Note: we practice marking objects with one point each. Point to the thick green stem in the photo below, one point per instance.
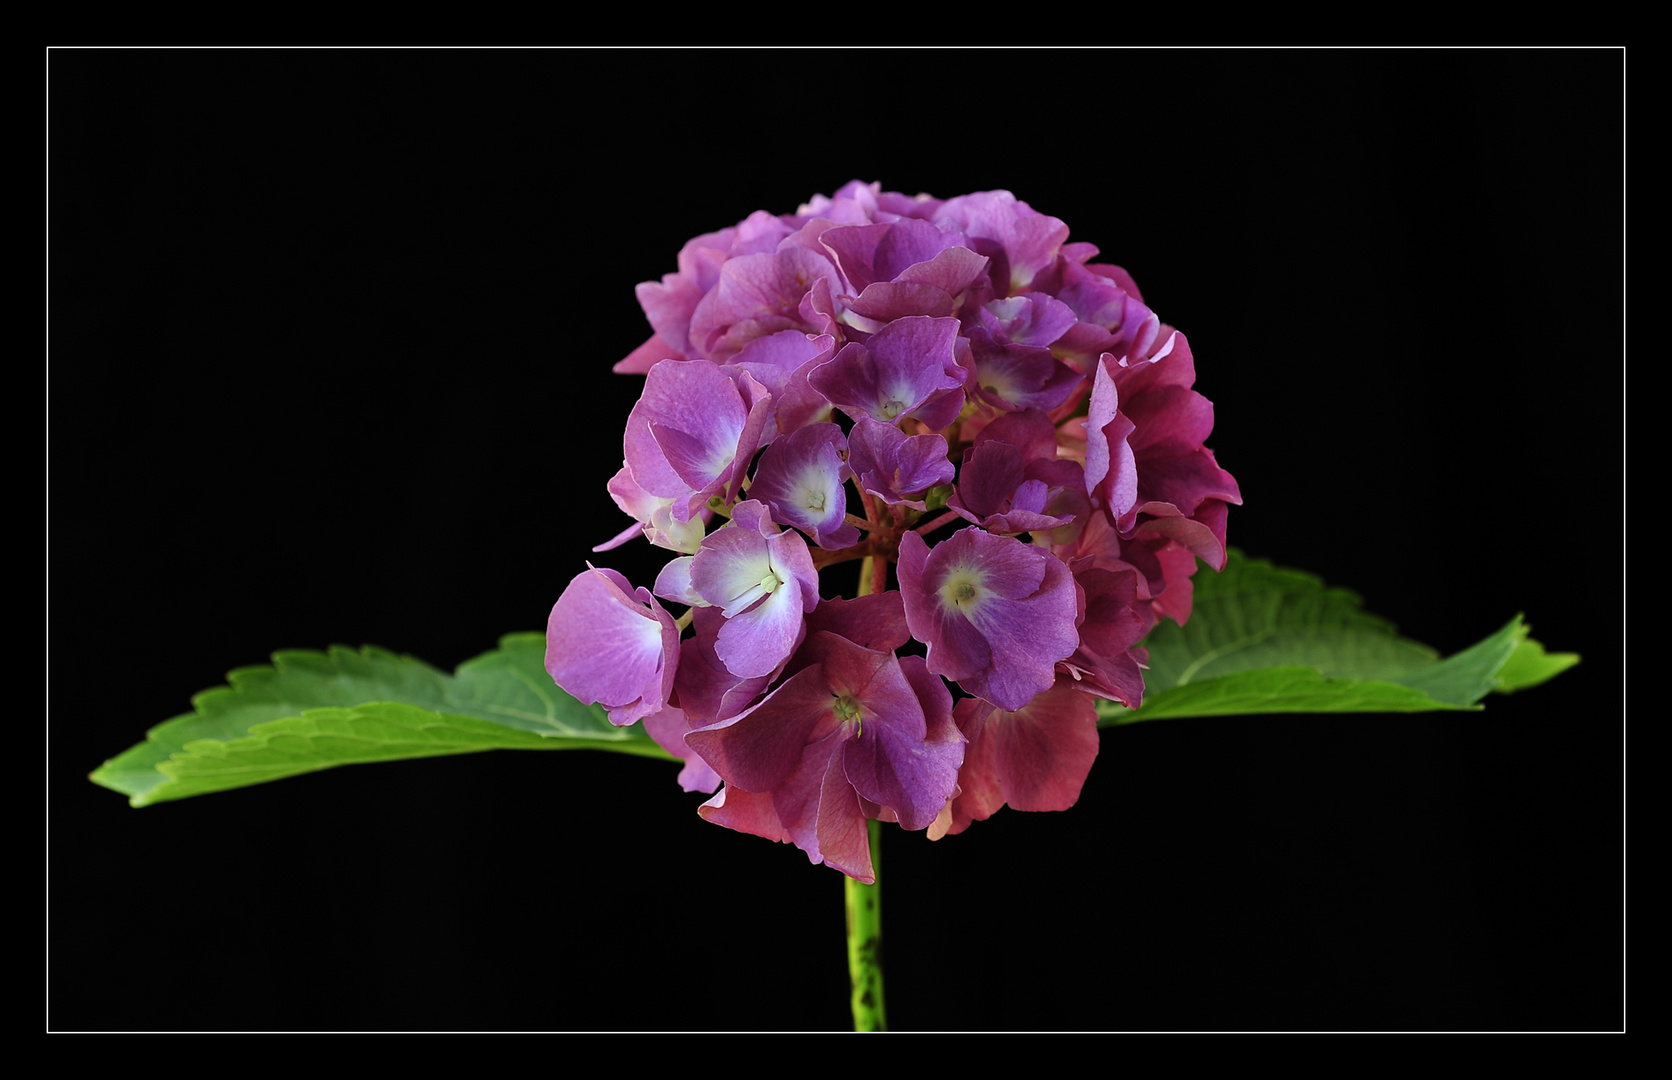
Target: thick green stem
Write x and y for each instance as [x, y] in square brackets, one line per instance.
[864, 904]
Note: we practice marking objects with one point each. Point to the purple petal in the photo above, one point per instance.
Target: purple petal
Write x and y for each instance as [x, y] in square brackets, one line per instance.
[758, 750]
[891, 465]
[605, 646]
[895, 372]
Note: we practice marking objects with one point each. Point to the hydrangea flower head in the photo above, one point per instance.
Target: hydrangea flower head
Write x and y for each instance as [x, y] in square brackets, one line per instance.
[948, 388]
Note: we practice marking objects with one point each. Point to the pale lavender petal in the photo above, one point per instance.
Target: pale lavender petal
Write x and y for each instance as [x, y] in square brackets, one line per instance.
[733, 569]
[792, 562]
[756, 641]
[604, 645]
[800, 476]
[655, 515]
[674, 583]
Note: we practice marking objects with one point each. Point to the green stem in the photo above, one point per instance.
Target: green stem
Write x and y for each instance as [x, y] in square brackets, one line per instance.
[864, 904]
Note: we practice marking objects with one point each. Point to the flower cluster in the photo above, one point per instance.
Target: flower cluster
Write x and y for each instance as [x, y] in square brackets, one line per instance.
[848, 384]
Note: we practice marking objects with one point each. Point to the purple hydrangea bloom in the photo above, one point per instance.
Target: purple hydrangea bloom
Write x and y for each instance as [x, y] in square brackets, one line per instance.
[996, 614]
[987, 365]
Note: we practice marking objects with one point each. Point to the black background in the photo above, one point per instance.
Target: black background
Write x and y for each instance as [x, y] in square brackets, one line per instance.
[330, 338]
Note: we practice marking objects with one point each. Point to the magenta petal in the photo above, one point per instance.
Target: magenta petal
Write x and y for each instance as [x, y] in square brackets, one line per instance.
[1111, 471]
[1030, 431]
[1105, 664]
[798, 799]
[886, 301]
[980, 795]
[759, 749]
[1202, 535]
[1014, 377]
[952, 270]
[1168, 420]
[908, 245]
[894, 762]
[647, 356]
[842, 832]
[1043, 752]
[746, 812]
[992, 472]
[877, 621]
[706, 690]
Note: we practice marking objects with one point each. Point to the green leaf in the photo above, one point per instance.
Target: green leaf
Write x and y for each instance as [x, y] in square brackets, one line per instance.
[313, 710]
[1530, 665]
[1263, 639]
